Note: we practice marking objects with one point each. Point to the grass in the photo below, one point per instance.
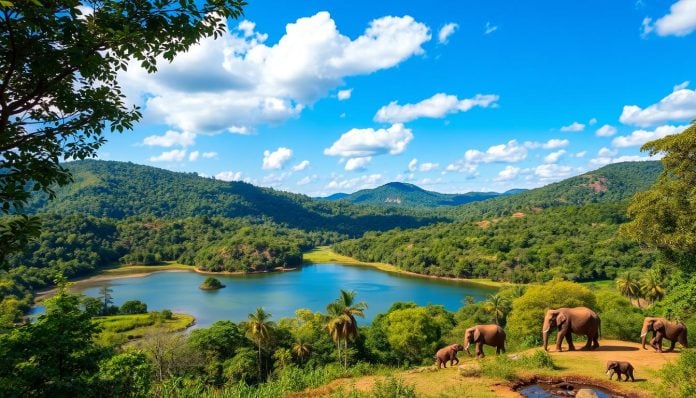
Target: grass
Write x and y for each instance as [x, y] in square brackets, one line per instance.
[120, 329]
[140, 269]
[324, 254]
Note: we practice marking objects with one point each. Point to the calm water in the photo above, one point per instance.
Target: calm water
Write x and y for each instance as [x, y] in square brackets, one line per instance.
[281, 294]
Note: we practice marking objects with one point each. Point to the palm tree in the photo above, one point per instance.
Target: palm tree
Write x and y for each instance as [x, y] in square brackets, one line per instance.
[629, 286]
[301, 349]
[651, 286]
[260, 329]
[497, 305]
[341, 320]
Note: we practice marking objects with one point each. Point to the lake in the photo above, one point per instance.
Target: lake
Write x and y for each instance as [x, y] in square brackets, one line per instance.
[281, 293]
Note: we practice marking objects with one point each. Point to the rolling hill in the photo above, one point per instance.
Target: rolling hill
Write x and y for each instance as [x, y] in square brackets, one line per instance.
[399, 194]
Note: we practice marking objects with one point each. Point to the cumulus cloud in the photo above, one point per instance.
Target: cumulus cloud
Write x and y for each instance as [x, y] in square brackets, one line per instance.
[176, 155]
[428, 166]
[592, 121]
[580, 154]
[193, 156]
[603, 161]
[171, 138]
[574, 127]
[307, 180]
[413, 165]
[606, 131]
[229, 176]
[357, 164]
[489, 28]
[511, 152]
[345, 94]
[550, 144]
[301, 166]
[362, 182]
[680, 21]
[437, 106]
[371, 142]
[554, 156]
[509, 173]
[680, 105]
[640, 137]
[239, 81]
[446, 31]
[209, 155]
[552, 172]
[276, 160]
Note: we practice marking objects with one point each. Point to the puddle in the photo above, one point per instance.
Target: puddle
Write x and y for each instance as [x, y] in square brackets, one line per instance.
[553, 390]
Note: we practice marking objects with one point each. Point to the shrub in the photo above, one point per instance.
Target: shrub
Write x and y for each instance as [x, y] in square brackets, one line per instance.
[620, 319]
[499, 367]
[679, 378]
[392, 388]
[133, 307]
[211, 283]
[540, 359]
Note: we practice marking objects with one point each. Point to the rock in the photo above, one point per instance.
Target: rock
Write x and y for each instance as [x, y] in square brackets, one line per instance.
[471, 369]
[586, 393]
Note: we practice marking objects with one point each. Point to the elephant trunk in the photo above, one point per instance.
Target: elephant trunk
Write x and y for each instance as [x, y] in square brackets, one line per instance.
[643, 335]
[545, 335]
[467, 349]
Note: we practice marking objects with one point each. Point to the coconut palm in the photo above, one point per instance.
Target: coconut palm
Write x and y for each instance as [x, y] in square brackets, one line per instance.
[342, 324]
[301, 349]
[651, 286]
[497, 305]
[260, 329]
[629, 286]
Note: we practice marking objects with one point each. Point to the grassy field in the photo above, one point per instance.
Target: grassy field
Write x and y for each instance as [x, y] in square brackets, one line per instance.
[493, 376]
[324, 254]
[120, 329]
[141, 269]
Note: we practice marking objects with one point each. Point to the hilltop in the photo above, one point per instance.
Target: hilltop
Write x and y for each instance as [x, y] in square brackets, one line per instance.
[399, 194]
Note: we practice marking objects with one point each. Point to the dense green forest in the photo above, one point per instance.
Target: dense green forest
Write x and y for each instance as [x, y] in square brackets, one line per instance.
[572, 242]
[399, 194]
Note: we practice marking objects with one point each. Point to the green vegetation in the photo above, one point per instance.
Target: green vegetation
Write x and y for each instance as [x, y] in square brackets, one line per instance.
[211, 283]
[119, 329]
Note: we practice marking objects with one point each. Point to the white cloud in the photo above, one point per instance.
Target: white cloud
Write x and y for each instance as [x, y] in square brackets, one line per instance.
[229, 176]
[446, 31]
[554, 156]
[437, 106]
[209, 155]
[575, 127]
[509, 173]
[238, 81]
[413, 165]
[357, 164]
[606, 131]
[581, 154]
[606, 152]
[646, 27]
[242, 130]
[362, 182]
[176, 155]
[511, 152]
[603, 161]
[552, 172]
[680, 105]
[680, 21]
[345, 94]
[640, 137]
[681, 86]
[550, 144]
[592, 121]
[276, 160]
[425, 167]
[171, 138]
[371, 142]
[489, 28]
[307, 180]
[301, 166]
[193, 156]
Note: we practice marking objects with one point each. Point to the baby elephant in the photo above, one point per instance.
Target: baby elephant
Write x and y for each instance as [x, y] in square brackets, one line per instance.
[620, 367]
[448, 353]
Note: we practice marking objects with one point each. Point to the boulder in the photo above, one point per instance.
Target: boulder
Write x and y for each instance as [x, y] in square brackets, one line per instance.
[586, 393]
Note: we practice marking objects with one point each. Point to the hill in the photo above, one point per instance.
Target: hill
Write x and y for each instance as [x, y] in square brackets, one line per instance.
[120, 190]
[399, 194]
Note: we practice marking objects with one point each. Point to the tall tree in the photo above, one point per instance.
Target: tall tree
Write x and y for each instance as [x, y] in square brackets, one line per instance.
[664, 217]
[106, 298]
[629, 286]
[498, 306]
[260, 328]
[59, 90]
[342, 323]
[651, 286]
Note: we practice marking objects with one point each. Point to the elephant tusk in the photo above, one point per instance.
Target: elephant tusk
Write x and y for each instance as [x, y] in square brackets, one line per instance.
[643, 335]
[546, 330]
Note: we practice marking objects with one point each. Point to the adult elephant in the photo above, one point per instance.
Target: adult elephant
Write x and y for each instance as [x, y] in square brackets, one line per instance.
[662, 328]
[578, 320]
[492, 335]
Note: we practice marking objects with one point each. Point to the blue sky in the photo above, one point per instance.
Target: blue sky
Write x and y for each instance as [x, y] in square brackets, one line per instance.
[332, 96]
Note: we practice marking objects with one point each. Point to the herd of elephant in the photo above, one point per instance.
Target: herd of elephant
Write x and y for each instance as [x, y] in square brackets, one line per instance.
[578, 320]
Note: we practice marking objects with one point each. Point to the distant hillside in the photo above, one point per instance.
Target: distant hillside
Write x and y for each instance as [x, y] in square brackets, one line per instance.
[398, 194]
[613, 183]
[120, 190]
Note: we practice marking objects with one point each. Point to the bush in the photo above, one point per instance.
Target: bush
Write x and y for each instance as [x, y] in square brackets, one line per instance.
[392, 388]
[620, 319]
[527, 315]
[679, 378]
[133, 307]
[499, 367]
[211, 283]
[540, 359]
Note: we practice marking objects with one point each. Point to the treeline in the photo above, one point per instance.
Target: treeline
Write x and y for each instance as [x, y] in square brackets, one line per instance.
[572, 242]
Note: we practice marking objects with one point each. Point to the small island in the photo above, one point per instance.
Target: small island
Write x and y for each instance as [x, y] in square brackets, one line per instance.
[211, 283]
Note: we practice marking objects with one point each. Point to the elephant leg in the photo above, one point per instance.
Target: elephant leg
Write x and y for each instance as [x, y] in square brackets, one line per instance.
[671, 346]
[559, 340]
[658, 342]
[497, 350]
[630, 372]
[569, 339]
[595, 341]
[455, 361]
[479, 350]
[588, 345]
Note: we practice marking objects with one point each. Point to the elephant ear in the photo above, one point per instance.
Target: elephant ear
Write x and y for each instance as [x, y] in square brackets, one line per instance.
[560, 319]
[658, 324]
[477, 334]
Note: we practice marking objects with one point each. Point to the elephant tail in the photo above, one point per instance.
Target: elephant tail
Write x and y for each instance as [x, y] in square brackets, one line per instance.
[599, 324]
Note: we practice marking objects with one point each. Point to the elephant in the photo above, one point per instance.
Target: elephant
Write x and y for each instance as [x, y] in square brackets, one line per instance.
[662, 328]
[492, 335]
[448, 353]
[578, 320]
[620, 368]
